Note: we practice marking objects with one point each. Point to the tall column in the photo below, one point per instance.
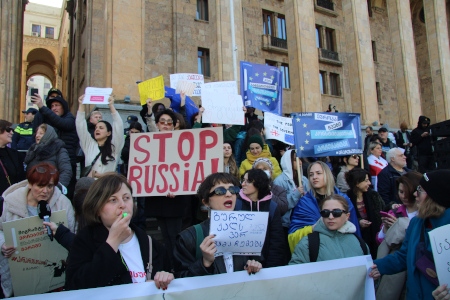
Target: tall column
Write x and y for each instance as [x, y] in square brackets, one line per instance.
[303, 56]
[360, 60]
[438, 49]
[404, 58]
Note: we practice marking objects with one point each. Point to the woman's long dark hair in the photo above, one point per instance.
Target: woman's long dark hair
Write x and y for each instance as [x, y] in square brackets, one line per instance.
[108, 148]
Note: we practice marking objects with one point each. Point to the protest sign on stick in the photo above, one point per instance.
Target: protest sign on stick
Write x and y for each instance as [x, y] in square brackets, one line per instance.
[93, 95]
[196, 79]
[175, 161]
[239, 232]
[152, 88]
[38, 265]
[440, 245]
[326, 134]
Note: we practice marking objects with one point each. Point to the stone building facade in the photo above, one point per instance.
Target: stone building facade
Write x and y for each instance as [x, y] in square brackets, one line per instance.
[386, 59]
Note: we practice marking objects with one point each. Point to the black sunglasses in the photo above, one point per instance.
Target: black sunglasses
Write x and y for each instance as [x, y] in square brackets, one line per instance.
[354, 156]
[8, 129]
[220, 191]
[335, 212]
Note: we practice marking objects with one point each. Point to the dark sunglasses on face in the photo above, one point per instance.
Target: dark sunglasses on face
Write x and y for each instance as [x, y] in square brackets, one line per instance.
[220, 191]
[163, 122]
[335, 212]
[355, 156]
[8, 129]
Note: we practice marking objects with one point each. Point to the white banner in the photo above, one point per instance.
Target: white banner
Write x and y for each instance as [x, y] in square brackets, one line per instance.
[93, 95]
[440, 245]
[239, 232]
[335, 279]
[196, 79]
[278, 128]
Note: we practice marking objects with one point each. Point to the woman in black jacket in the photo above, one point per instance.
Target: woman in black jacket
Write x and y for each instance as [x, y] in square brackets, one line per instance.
[110, 250]
[196, 258]
[368, 204]
[11, 166]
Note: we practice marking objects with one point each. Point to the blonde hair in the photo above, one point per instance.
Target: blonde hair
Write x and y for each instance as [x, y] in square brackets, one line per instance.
[327, 177]
[430, 209]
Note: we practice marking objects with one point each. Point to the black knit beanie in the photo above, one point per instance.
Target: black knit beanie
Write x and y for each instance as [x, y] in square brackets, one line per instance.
[435, 183]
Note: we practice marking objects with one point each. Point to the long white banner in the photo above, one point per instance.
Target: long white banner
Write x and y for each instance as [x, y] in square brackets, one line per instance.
[334, 279]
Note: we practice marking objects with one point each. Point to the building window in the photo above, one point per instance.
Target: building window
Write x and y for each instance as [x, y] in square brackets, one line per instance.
[285, 76]
[274, 24]
[378, 92]
[330, 39]
[374, 51]
[281, 27]
[36, 30]
[271, 63]
[335, 88]
[202, 10]
[268, 22]
[322, 75]
[49, 32]
[46, 85]
[318, 39]
[326, 4]
[203, 62]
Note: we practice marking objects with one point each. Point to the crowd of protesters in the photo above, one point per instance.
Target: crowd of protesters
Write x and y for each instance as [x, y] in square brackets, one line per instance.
[380, 203]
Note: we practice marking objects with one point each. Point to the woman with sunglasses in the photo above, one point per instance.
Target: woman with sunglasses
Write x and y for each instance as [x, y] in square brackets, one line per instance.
[336, 234]
[376, 161]
[350, 162]
[195, 257]
[368, 205]
[49, 148]
[256, 195]
[307, 212]
[110, 250]
[21, 201]
[11, 164]
[103, 151]
[415, 255]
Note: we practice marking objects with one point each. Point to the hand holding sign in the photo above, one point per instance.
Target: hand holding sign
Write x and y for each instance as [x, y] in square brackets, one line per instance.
[208, 247]
[93, 95]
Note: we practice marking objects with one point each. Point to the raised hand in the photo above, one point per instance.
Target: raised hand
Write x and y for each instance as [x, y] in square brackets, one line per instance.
[208, 247]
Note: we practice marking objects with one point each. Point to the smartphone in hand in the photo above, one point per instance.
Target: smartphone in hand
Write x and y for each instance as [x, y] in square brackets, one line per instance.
[385, 214]
[34, 91]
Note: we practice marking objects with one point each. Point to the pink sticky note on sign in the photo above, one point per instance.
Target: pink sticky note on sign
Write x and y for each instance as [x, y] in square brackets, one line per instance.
[97, 98]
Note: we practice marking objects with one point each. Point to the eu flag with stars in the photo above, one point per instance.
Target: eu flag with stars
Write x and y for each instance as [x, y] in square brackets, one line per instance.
[326, 134]
[261, 87]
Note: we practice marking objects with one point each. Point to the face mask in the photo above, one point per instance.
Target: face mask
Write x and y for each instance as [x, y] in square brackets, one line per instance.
[267, 173]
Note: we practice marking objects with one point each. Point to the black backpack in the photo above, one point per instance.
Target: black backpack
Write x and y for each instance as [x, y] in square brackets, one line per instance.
[314, 242]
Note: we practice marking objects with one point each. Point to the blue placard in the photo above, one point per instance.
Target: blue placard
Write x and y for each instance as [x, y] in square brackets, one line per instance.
[326, 134]
[261, 87]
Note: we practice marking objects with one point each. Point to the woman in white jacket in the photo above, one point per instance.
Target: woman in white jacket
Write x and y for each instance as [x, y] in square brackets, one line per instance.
[103, 151]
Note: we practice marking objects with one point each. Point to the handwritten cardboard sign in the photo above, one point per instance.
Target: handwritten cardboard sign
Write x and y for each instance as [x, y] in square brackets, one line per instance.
[440, 245]
[152, 88]
[93, 95]
[278, 128]
[173, 161]
[38, 265]
[239, 232]
[196, 79]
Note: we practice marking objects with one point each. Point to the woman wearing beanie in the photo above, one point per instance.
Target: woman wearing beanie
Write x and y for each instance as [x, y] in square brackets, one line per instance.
[257, 149]
[433, 212]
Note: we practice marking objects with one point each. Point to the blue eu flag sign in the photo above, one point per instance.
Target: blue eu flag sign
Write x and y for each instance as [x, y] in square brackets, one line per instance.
[261, 87]
[326, 134]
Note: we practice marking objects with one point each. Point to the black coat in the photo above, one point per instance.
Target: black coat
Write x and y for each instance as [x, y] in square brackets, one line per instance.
[387, 187]
[93, 263]
[422, 144]
[14, 167]
[373, 204]
[186, 262]
[165, 207]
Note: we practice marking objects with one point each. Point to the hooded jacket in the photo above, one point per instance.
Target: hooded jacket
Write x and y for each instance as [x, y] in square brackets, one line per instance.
[52, 150]
[15, 208]
[64, 125]
[334, 244]
[286, 181]
[275, 246]
[248, 163]
[423, 144]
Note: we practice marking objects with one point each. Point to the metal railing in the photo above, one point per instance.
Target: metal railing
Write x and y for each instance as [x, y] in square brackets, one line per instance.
[328, 54]
[276, 42]
[326, 4]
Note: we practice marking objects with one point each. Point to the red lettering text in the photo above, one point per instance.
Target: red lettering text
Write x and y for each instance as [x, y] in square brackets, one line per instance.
[162, 145]
[138, 148]
[203, 143]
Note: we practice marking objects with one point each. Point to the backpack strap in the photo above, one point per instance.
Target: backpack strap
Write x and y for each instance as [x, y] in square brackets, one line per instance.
[199, 237]
[150, 259]
[362, 243]
[313, 244]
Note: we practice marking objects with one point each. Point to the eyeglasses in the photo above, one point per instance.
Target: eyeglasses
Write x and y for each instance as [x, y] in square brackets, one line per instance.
[335, 212]
[420, 190]
[163, 122]
[355, 156]
[220, 191]
[246, 181]
[8, 129]
[43, 170]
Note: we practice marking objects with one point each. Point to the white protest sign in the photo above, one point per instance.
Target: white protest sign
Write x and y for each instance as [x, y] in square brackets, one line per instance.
[93, 95]
[278, 128]
[223, 109]
[185, 86]
[38, 265]
[239, 232]
[196, 79]
[317, 281]
[440, 245]
[173, 161]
